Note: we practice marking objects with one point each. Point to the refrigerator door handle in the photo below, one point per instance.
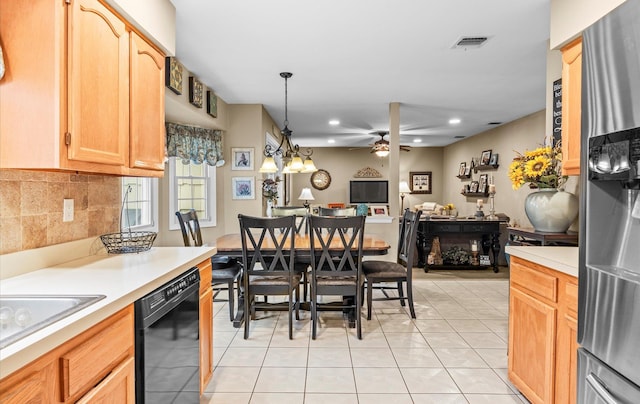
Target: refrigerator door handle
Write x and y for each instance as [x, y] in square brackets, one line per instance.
[600, 389]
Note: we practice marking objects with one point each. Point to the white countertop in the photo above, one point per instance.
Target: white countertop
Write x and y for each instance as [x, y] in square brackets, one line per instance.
[122, 278]
[561, 259]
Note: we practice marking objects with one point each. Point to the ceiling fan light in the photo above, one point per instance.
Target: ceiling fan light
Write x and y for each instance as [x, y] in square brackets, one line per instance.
[268, 165]
[382, 153]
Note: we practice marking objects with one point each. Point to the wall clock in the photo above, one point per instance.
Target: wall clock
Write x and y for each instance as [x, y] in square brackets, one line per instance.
[321, 179]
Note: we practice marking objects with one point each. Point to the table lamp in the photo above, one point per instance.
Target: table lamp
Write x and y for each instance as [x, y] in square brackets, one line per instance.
[404, 189]
[307, 196]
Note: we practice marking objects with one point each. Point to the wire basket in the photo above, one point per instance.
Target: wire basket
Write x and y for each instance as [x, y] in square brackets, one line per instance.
[128, 242]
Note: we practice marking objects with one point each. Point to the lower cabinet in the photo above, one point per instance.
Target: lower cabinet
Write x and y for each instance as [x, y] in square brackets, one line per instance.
[95, 366]
[542, 332]
[206, 324]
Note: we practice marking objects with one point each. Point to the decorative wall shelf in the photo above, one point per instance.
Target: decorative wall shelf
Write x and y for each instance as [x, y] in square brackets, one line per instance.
[486, 167]
[471, 194]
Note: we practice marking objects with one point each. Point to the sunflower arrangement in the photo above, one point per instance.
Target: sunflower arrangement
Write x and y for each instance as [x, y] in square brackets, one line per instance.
[541, 168]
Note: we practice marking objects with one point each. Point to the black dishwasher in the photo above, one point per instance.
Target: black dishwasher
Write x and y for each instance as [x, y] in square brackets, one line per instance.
[167, 342]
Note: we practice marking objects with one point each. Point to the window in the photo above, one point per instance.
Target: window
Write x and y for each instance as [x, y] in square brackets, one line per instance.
[192, 186]
[140, 203]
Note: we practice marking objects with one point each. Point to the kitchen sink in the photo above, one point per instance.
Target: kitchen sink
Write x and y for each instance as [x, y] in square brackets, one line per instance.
[22, 315]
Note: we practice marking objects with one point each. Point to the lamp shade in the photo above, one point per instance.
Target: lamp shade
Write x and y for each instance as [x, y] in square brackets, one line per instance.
[404, 187]
[268, 165]
[309, 166]
[306, 195]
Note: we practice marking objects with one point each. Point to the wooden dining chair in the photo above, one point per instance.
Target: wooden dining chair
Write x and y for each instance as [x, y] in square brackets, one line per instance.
[302, 227]
[268, 254]
[336, 245]
[225, 271]
[379, 274]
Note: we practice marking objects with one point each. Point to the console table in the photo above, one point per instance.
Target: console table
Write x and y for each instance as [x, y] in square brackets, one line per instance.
[488, 231]
[524, 236]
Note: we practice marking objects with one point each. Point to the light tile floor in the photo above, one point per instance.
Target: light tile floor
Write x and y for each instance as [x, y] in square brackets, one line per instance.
[454, 352]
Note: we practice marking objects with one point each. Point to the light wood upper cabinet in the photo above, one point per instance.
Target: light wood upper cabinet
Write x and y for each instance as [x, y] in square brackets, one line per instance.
[73, 82]
[571, 106]
[98, 67]
[543, 343]
[147, 105]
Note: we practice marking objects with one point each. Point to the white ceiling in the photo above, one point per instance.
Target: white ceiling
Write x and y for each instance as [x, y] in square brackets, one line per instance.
[351, 58]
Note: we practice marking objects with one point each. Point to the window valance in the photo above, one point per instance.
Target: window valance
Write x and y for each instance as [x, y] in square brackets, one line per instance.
[198, 145]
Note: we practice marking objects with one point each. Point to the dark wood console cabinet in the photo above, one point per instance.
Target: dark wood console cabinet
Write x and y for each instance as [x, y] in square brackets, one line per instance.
[488, 231]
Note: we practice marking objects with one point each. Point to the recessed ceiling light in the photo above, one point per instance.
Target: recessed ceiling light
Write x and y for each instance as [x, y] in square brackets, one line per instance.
[334, 122]
[417, 140]
[454, 121]
[331, 141]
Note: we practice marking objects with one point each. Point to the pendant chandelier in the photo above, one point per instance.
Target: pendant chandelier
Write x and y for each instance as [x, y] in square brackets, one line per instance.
[291, 153]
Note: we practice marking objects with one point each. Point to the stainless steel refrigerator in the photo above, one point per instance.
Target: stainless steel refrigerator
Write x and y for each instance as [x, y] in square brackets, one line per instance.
[609, 277]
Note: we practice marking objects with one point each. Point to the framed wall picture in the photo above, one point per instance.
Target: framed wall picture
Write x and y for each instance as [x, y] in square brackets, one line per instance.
[420, 182]
[474, 186]
[243, 188]
[173, 75]
[462, 169]
[242, 158]
[482, 185]
[212, 104]
[379, 210]
[493, 161]
[467, 171]
[195, 92]
[485, 158]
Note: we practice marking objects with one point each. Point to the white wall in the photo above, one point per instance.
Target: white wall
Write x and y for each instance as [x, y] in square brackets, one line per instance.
[570, 17]
[156, 19]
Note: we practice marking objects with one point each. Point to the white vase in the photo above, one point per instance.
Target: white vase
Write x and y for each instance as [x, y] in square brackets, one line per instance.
[551, 211]
[269, 208]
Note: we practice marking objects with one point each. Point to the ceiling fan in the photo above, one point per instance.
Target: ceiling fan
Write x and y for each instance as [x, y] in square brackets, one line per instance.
[381, 147]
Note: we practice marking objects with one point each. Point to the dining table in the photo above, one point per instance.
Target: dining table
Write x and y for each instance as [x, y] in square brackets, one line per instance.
[231, 245]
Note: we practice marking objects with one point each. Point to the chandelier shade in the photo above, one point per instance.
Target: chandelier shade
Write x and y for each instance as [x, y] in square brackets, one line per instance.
[290, 152]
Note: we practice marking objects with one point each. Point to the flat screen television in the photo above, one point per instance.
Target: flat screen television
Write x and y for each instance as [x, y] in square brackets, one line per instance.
[368, 192]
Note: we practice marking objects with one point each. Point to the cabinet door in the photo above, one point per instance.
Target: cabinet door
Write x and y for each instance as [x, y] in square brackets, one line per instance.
[567, 360]
[98, 75]
[29, 385]
[118, 387]
[147, 131]
[532, 331]
[206, 337]
[571, 107]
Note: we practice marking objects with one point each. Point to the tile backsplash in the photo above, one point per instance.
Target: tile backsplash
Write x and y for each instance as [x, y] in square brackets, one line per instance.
[31, 206]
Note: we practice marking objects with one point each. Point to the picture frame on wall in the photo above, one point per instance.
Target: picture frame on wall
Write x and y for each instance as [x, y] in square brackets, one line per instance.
[485, 158]
[243, 188]
[242, 158]
[493, 161]
[379, 210]
[173, 74]
[195, 92]
[474, 186]
[212, 104]
[463, 167]
[482, 186]
[420, 182]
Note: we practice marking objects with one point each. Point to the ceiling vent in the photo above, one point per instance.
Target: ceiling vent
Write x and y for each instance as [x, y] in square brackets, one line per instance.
[467, 42]
[459, 137]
